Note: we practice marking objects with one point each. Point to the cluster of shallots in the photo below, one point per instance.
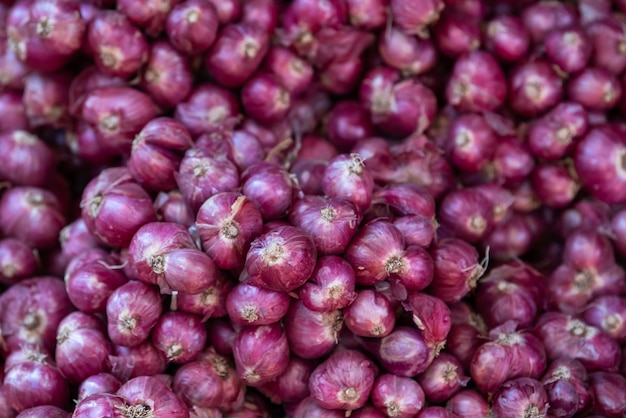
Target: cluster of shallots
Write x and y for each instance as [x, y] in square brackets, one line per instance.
[312, 208]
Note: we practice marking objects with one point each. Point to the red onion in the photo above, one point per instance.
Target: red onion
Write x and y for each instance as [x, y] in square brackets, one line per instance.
[85, 81]
[618, 230]
[471, 142]
[569, 49]
[341, 77]
[343, 381]
[509, 354]
[147, 394]
[149, 16]
[443, 378]
[31, 312]
[23, 210]
[119, 49]
[282, 259]
[179, 336]
[117, 114]
[606, 388]
[227, 223]
[44, 411]
[566, 336]
[157, 151]
[311, 334]
[407, 199]
[167, 76]
[371, 314]
[33, 381]
[348, 123]
[12, 70]
[310, 408]
[292, 72]
[133, 310]
[237, 53]
[457, 269]
[45, 99]
[201, 175]
[331, 222]
[376, 252]
[507, 38]
[551, 137]
[228, 10]
[477, 83]
[192, 26]
[608, 39]
[209, 108]
[261, 353]
[432, 317]
[409, 54]
[346, 176]
[74, 334]
[187, 270]
[149, 246]
[292, 385]
[564, 382]
[263, 13]
[90, 278]
[466, 213]
[415, 17]
[555, 185]
[542, 18]
[417, 230]
[102, 199]
[469, 404]
[511, 291]
[12, 108]
[210, 303]
[76, 238]
[17, 261]
[522, 397]
[534, 88]
[209, 382]
[102, 404]
[140, 360]
[595, 88]
[269, 187]
[456, 33]
[397, 396]
[403, 352]
[45, 35]
[250, 305]
[331, 285]
[265, 99]
[500, 198]
[98, 383]
[608, 314]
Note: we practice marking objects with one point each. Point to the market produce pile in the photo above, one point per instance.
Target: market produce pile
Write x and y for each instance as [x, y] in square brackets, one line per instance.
[314, 208]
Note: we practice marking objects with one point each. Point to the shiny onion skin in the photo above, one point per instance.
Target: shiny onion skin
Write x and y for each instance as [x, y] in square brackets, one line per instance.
[282, 259]
[343, 381]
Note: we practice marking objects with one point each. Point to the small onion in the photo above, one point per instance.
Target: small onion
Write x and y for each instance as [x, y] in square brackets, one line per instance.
[282, 259]
[179, 336]
[343, 381]
[521, 397]
[261, 353]
[251, 305]
[397, 396]
[140, 360]
[98, 383]
[192, 26]
[371, 314]
[148, 394]
[312, 334]
[132, 310]
[17, 261]
[227, 223]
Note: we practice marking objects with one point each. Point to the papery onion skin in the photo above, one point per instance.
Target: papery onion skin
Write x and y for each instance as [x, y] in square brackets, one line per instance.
[132, 311]
[159, 397]
[261, 353]
[312, 334]
[98, 383]
[343, 381]
[282, 259]
[397, 396]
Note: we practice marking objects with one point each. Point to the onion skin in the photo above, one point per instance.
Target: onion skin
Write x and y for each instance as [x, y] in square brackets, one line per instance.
[343, 381]
[282, 259]
[261, 353]
[149, 389]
